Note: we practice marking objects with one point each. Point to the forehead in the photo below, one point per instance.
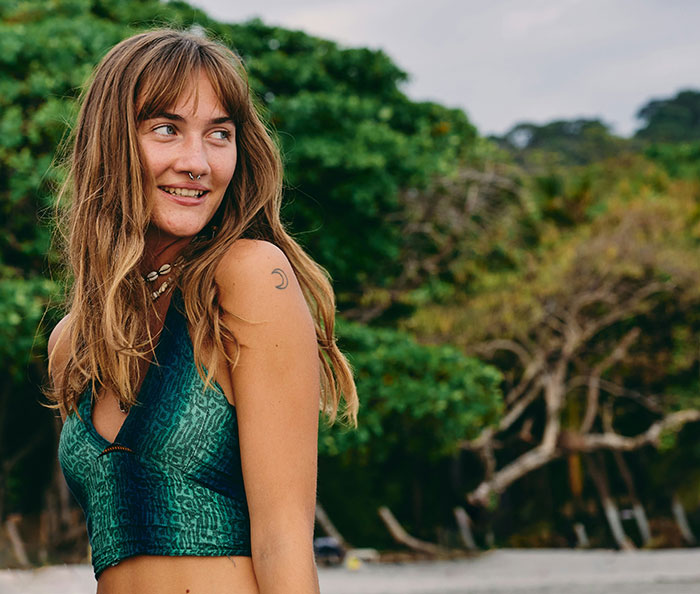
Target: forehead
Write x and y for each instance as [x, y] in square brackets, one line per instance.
[199, 97]
[195, 98]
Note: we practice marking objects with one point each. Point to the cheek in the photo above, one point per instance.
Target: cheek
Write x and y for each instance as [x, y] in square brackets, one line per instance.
[154, 159]
[225, 168]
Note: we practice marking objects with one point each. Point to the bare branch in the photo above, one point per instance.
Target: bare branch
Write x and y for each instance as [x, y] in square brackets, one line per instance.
[613, 441]
[623, 309]
[489, 179]
[647, 401]
[536, 457]
[519, 407]
[503, 344]
[531, 371]
[617, 354]
[506, 421]
[532, 364]
[527, 462]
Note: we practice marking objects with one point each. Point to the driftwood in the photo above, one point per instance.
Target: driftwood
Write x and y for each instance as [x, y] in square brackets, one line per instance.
[329, 528]
[582, 541]
[464, 523]
[682, 520]
[612, 514]
[20, 553]
[402, 537]
[637, 508]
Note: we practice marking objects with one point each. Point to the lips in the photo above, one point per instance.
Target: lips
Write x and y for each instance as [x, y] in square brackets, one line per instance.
[184, 196]
[186, 192]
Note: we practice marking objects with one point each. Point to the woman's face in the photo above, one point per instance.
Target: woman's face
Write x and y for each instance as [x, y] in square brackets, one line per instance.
[198, 139]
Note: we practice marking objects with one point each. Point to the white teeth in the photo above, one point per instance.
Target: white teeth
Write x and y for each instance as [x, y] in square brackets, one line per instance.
[182, 192]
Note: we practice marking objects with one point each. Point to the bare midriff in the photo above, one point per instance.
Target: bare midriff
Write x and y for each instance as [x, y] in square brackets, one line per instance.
[146, 574]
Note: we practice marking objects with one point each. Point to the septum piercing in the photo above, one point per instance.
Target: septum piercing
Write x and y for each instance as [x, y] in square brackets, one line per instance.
[192, 177]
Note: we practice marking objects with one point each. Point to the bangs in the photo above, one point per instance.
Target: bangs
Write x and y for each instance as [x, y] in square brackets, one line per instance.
[166, 79]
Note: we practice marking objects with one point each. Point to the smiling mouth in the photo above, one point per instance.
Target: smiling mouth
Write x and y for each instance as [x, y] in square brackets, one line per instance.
[183, 192]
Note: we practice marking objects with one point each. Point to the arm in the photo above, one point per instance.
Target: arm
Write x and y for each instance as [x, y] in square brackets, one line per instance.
[276, 389]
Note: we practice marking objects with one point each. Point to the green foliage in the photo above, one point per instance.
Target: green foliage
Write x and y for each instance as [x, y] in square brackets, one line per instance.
[420, 400]
[587, 227]
[671, 120]
[350, 137]
[667, 440]
[26, 451]
[22, 306]
[678, 465]
[681, 160]
[583, 242]
[562, 142]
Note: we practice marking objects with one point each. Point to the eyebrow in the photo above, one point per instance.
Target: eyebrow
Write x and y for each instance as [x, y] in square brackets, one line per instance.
[178, 118]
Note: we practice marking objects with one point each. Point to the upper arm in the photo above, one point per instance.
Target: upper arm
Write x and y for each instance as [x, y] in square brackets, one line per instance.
[58, 353]
[276, 388]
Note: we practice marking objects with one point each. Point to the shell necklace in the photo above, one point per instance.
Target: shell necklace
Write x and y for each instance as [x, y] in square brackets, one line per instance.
[151, 277]
[164, 270]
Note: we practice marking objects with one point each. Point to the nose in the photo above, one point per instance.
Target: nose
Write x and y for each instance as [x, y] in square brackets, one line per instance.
[193, 158]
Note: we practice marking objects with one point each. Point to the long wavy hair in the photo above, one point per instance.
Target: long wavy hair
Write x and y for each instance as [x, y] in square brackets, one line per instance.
[108, 214]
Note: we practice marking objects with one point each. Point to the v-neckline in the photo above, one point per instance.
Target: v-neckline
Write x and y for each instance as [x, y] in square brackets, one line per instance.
[154, 362]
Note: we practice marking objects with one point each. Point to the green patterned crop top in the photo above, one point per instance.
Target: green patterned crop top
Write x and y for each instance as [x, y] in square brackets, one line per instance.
[171, 483]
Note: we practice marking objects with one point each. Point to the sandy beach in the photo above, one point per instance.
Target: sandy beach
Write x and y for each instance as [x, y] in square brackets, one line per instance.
[496, 572]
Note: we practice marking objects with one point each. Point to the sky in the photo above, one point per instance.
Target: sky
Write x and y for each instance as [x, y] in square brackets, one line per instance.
[510, 61]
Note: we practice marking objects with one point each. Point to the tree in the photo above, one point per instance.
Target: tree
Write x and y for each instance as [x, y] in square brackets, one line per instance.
[676, 119]
[418, 403]
[591, 331]
[562, 142]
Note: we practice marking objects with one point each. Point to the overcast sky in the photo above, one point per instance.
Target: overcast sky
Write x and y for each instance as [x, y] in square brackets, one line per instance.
[507, 61]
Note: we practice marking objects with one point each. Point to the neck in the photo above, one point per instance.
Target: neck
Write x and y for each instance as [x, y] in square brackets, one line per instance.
[161, 249]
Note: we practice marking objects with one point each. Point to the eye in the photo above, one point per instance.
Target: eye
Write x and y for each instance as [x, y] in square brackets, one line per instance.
[223, 134]
[165, 130]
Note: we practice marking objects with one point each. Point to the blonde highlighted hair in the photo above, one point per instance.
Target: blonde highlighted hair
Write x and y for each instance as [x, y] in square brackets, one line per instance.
[108, 215]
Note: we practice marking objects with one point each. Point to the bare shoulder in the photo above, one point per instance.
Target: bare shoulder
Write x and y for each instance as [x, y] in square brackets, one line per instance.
[57, 340]
[247, 259]
[256, 279]
[58, 352]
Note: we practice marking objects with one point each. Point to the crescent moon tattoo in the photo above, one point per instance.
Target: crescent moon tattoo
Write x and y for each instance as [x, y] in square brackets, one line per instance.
[283, 278]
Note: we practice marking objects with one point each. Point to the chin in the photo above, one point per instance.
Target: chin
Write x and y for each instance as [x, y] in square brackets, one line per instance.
[175, 233]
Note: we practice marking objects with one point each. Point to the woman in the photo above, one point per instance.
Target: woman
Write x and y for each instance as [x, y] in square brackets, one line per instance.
[199, 342]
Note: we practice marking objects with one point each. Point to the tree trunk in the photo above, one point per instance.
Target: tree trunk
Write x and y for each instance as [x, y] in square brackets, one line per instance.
[638, 509]
[20, 553]
[575, 474]
[582, 541]
[682, 520]
[611, 512]
[417, 499]
[464, 524]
